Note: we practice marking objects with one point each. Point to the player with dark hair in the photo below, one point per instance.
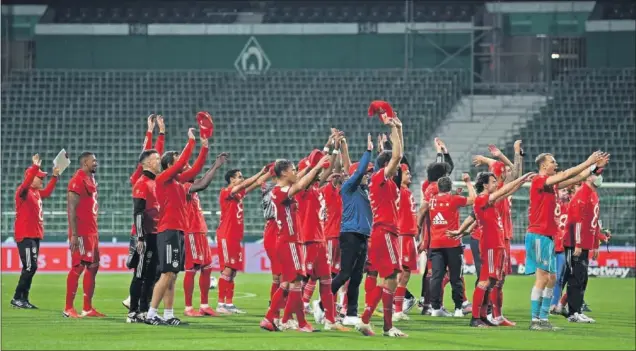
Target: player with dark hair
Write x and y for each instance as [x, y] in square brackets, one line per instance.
[82, 212]
[582, 236]
[446, 254]
[229, 235]
[540, 257]
[172, 224]
[29, 226]
[142, 253]
[288, 248]
[198, 255]
[492, 240]
[561, 217]
[384, 256]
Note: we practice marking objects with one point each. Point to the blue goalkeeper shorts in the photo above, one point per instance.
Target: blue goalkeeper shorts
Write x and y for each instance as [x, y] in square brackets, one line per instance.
[540, 254]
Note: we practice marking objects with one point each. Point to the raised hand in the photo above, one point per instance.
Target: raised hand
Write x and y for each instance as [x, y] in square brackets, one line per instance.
[517, 147]
[440, 146]
[380, 144]
[36, 160]
[528, 176]
[494, 151]
[191, 133]
[595, 156]
[603, 160]
[56, 171]
[369, 142]
[221, 159]
[151, 122]
[204, 141]
[161, 124]
[478, 160]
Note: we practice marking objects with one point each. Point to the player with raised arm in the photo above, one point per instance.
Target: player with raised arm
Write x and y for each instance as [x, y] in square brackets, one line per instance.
[82, 212]
[384, 254]
[198, 255]
[505, 172]
[492, 239]
[229, 235]
[540, 256]
[173, 216]
[446, 254]
[29, 226]
[288, 249]
[138, 301]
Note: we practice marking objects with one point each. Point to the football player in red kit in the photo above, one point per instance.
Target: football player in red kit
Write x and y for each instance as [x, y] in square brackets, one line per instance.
[289, 251]
[198, 255]
[561, 217]
[383, 252]
[492, 239]
[82, 212]
[230, 234]
[29, 226]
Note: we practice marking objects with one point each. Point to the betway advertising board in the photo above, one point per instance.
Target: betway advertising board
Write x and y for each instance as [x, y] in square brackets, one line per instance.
[619, 262]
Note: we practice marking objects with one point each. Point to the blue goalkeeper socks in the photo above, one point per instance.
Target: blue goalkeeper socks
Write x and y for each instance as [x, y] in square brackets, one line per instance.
[545, 303]
[535, 302]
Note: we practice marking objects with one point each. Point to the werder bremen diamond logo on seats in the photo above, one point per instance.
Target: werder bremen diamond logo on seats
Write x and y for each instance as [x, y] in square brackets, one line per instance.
[252, 60]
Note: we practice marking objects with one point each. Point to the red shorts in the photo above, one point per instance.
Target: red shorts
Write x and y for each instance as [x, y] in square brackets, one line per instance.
[408, 252]
[270, 236]
[507, 263]
[87, 252]
[333, 250]
[197, 251]
[291, 260]
[384, 255]
[492, 264]
[231, 254]
[316, 259]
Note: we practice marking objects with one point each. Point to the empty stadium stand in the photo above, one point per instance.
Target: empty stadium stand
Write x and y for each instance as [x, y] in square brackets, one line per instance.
[257, 119]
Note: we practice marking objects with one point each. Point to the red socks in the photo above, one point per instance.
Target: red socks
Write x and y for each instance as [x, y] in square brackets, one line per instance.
[326, 297]
[387, 303]
[204, 284]
[188, 287]
[72, 281]
[370, 282]
[224, 283]
[399, 298]
[278, 301]
[308, 290]
[479, 296]
[295, 305]
[495, 298]
[272, 291]
[229, 294]
[373, 299]
[89, 287]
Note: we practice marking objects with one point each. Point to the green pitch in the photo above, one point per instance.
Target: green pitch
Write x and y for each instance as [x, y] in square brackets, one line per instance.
[612, 301]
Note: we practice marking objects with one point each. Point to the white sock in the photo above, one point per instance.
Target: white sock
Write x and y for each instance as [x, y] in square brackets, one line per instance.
[535, 295]
[220, 304]
[188, 308]
[204, 305]
[168, 313]
[152, 312]
[548, 293]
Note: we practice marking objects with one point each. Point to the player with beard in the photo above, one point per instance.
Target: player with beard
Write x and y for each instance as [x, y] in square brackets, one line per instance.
[82, 209]
[288, 248]
[230, 234]
[540, 257]
[29, 226]
[173, 217]
[383, 254]
[492, 240]
[505, 172]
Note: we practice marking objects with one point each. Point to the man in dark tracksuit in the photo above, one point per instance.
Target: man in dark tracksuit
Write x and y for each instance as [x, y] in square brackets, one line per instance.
[354, 233]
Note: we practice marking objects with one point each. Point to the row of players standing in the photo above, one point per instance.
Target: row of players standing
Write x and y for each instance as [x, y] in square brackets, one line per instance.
[85, 253]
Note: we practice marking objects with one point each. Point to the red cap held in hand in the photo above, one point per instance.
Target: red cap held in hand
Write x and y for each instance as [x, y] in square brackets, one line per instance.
[206, 126]
[498, 168]
[378, 107]
[314, 158]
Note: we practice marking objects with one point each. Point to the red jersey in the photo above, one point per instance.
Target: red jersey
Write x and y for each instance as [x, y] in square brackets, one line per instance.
[313, 212]
[444, 212]
[407, 213]
[171, 195]
[561, 217]
[196, 218]
[503, 207]
[541, 210]
[29, 219]
[333, 203]
[138, 171]
[582, 223]
[85, 186]
[286, 214]
[431, 190]
[231, 225]
[476, 234]
[384, 197]
[489, 221]
[145, 188]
